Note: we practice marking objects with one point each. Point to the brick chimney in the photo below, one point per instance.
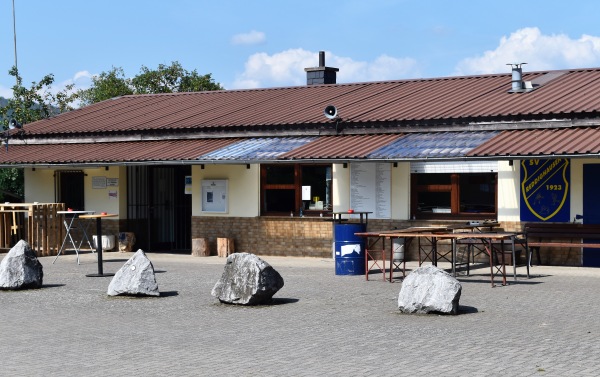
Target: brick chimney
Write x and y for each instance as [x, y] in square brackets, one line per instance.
[321, 74]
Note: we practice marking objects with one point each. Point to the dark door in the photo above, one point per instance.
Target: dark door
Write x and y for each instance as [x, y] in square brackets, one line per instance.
[158, 210]
[591, 209]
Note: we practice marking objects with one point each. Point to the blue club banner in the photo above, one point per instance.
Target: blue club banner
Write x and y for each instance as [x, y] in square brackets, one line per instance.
[545, 190]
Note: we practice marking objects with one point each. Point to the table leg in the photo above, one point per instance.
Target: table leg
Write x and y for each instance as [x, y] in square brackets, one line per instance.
[504, 262]
[68, 227]
[99, 250]
[454, 257]
[434, 250]
[514, 260]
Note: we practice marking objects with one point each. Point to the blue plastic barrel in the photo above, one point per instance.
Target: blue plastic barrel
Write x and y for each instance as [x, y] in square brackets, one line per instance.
[349, 249]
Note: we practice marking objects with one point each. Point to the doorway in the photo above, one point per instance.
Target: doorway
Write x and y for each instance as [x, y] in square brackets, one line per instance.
[591, 210]
[159, 211]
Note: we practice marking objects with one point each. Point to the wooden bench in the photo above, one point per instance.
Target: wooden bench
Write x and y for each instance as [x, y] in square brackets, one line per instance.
[560, 235]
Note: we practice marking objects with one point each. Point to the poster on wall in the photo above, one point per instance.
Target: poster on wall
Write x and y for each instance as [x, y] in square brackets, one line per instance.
[545, 190]
[98, 182]
[370, 188]
[188, 185]
[214, 195]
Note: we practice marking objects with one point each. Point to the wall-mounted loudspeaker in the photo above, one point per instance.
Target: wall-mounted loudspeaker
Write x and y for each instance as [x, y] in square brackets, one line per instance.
[330, 112]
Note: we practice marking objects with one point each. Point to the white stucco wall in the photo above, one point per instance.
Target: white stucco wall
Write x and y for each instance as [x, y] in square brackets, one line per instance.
[243, 186]
[577, 184]
[401, 191]
[98, 199]
[39, 187]
[508, 191]
[340, 187]
[244, 189]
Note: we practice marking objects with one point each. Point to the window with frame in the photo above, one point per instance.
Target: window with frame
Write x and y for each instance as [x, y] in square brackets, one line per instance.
[282, 187]
[454, 195]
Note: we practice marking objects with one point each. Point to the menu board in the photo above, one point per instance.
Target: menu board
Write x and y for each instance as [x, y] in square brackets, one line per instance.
[370, 188]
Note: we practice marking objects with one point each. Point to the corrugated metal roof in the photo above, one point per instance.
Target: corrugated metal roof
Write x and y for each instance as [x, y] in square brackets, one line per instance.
[483, 97]
[257, 149]
[542, 142]
[433, 145]
[134, 151]
[340, 147]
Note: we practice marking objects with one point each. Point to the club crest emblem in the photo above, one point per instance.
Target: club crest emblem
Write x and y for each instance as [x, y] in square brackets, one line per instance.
[544, 189]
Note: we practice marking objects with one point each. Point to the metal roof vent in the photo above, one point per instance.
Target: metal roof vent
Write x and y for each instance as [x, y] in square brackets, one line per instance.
[518, 85]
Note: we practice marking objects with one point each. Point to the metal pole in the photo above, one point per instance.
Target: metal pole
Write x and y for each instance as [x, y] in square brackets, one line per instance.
[15, 34]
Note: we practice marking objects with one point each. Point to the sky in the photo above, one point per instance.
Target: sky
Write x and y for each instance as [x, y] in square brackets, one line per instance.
[268, 43]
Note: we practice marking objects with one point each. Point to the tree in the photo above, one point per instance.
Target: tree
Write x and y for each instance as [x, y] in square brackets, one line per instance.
[26, 106]
[105, 86]
[172, 79]
[37, 102]
[164, 79]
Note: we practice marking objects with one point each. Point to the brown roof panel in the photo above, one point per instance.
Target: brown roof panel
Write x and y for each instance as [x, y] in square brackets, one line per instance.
[336, 147]
[423, 100]
[541, 142]
[130, 151]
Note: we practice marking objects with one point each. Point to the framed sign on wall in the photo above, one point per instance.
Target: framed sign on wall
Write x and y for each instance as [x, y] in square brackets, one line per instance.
[214, 195]
[545, 190]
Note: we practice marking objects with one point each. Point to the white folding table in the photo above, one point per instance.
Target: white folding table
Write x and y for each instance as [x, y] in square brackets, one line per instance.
[72, 222]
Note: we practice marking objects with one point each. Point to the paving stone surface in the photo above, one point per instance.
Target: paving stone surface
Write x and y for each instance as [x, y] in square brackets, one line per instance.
[318, 324]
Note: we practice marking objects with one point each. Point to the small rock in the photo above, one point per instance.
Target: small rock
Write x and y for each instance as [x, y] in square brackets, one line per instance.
[429, 289]
[136, 278]
[20, 268]
[247, 280]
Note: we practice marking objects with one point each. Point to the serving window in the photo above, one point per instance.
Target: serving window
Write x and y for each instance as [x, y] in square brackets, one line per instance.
[454, 195]
[290, 188]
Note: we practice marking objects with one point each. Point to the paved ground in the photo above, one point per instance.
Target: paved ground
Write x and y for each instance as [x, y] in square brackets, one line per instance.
[318, 324]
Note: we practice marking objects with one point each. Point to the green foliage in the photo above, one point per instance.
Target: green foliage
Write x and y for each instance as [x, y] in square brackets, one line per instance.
[105, 86]
[36, 102]
[11, 184]
[28, 105]
[164, 79]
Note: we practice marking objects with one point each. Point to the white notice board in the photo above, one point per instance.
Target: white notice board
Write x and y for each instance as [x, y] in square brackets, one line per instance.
[214, 195]
[370, 188]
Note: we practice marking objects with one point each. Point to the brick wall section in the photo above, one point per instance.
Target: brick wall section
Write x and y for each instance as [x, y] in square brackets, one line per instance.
[300, 237]
[313, 237]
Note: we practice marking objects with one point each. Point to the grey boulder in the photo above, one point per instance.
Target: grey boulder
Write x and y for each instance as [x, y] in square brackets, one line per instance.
[135, 278]
[247, 280]
[20, 268]
[429, 289]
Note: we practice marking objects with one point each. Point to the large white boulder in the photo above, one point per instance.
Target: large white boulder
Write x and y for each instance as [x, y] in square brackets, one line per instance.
[429, 289]
[20, 268]
[135, 278]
